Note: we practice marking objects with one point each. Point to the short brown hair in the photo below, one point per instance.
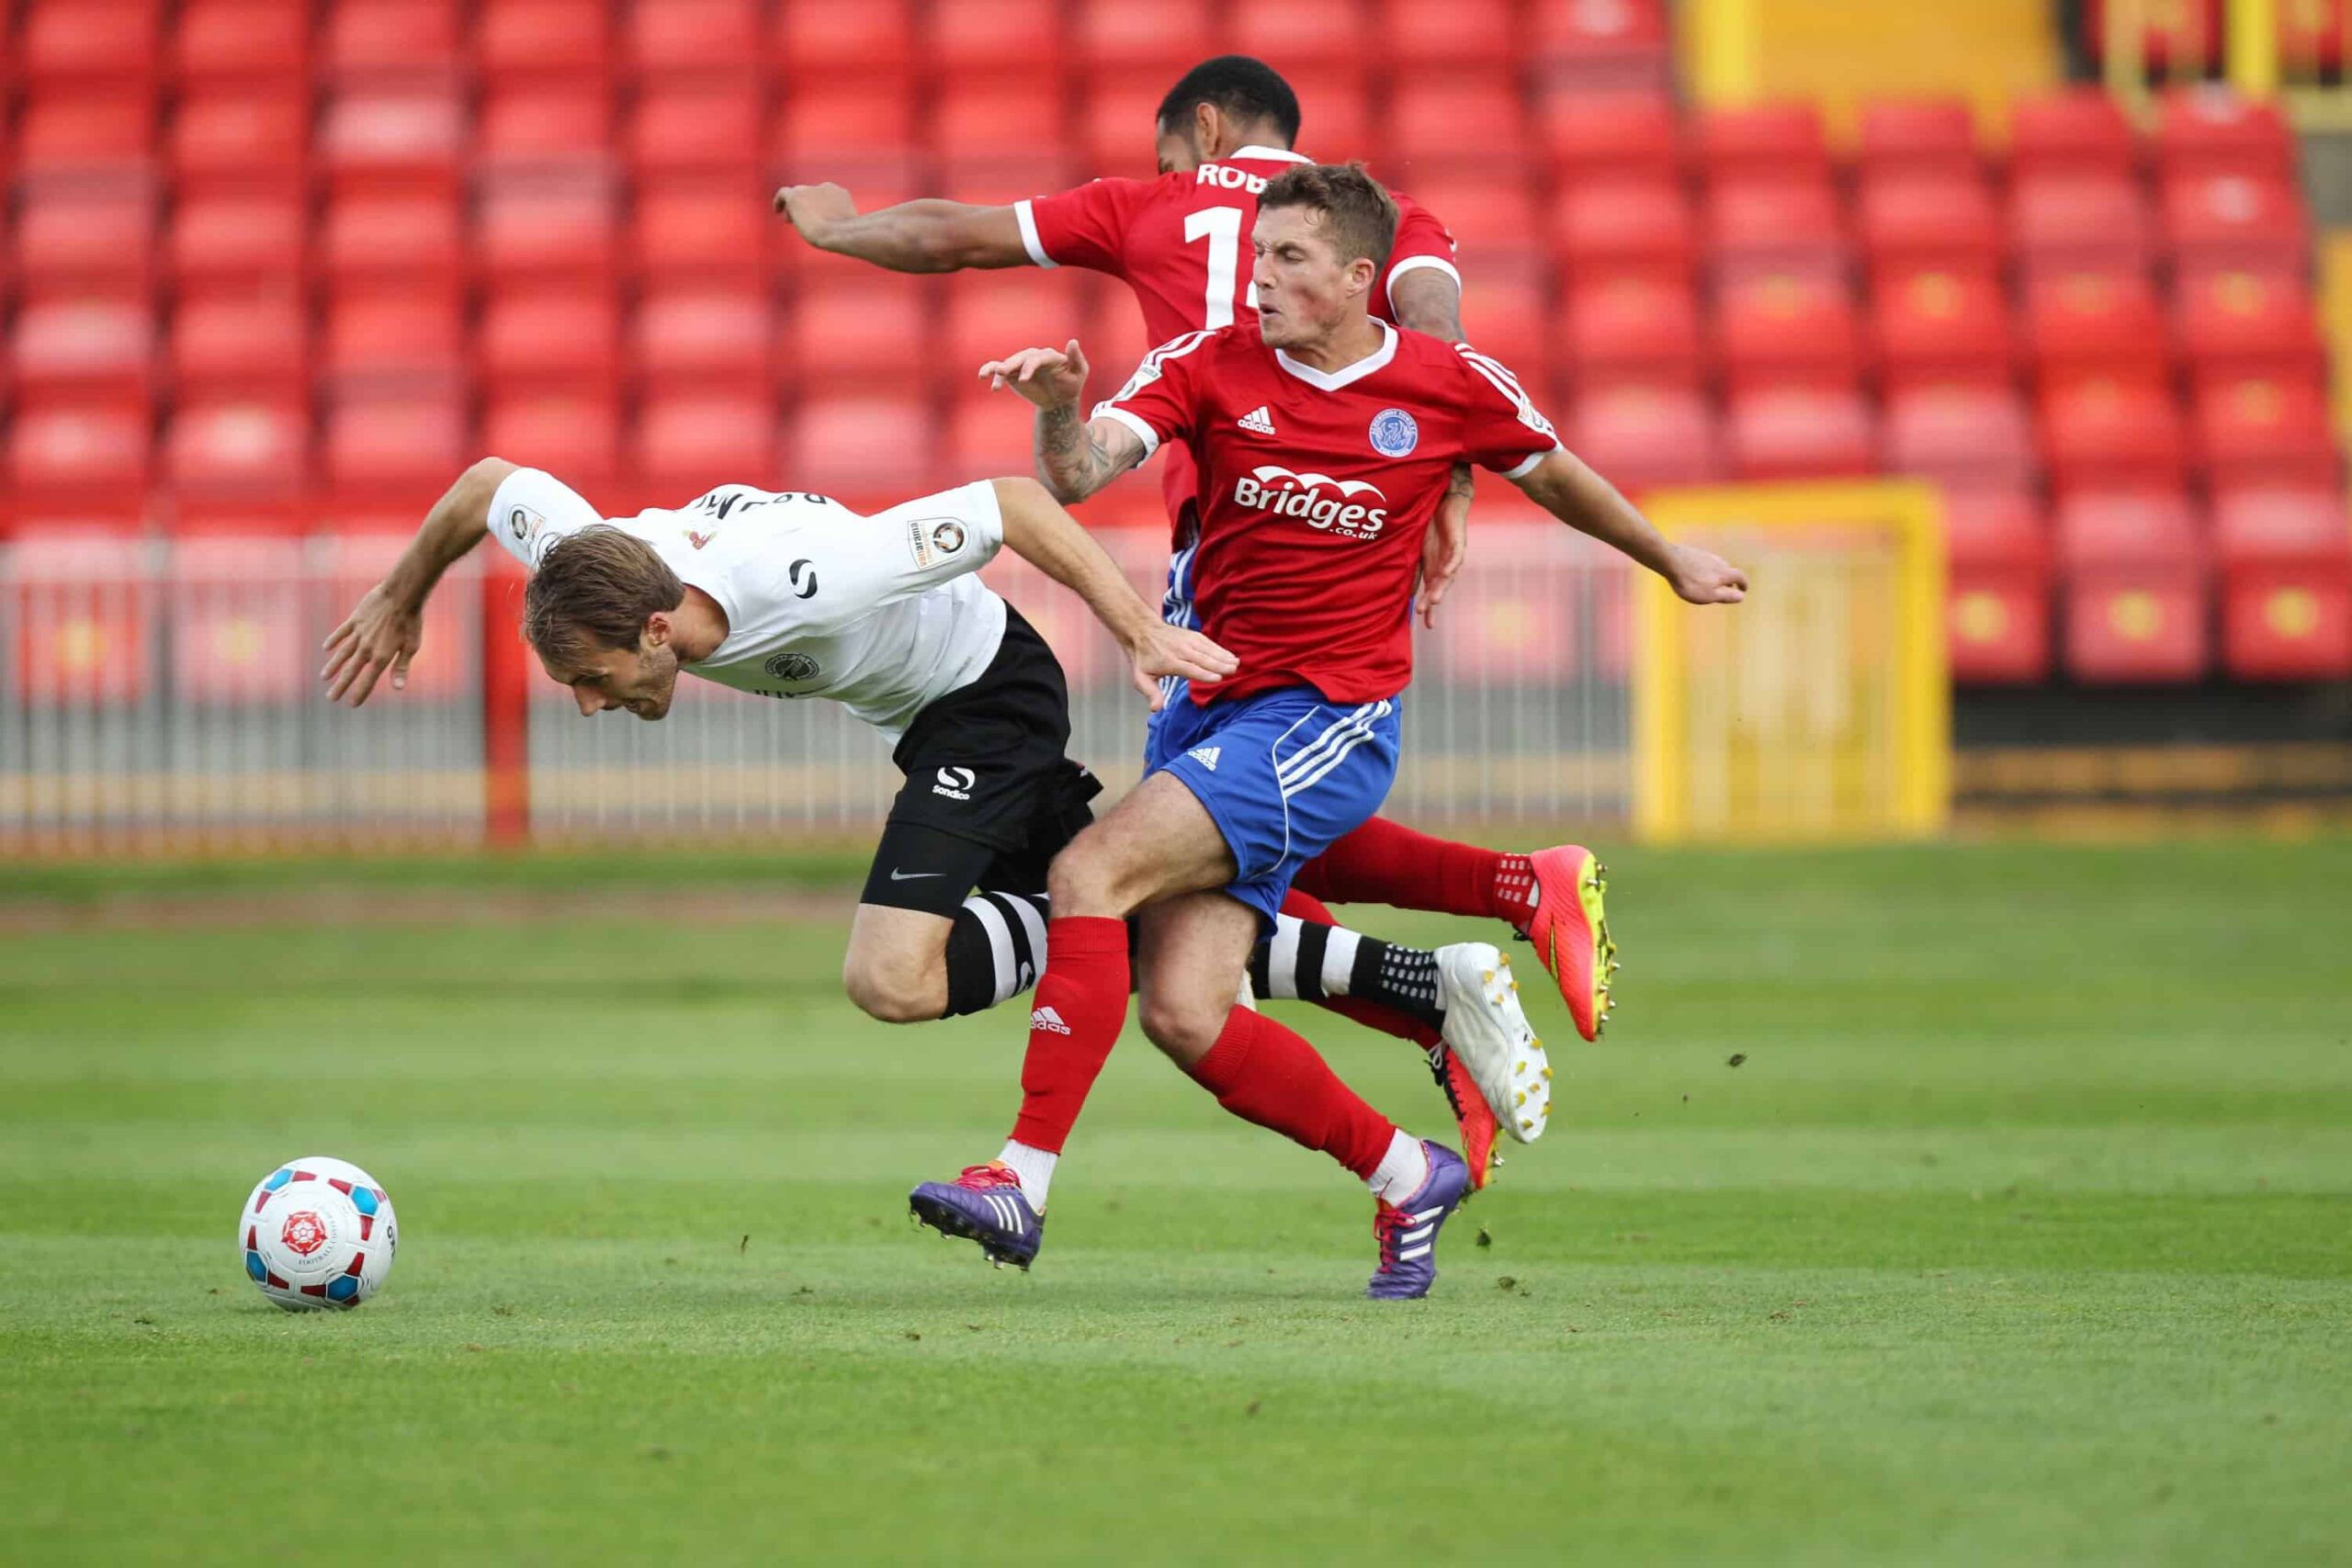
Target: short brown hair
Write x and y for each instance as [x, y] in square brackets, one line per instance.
[593, 589]
[1360, 216]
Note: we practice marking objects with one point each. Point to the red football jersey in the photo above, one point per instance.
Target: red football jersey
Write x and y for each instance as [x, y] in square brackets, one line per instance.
[1316, 489]
[1181, 243]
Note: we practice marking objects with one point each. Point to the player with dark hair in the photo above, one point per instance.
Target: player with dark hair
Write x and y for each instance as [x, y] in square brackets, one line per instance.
[1325, 438]
[1222, 132]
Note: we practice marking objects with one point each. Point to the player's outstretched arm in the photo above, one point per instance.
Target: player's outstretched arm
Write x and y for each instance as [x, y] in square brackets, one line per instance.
[929, 235]
[384, 631]
[1038, 531]
[1075, 457]
[1572, 492]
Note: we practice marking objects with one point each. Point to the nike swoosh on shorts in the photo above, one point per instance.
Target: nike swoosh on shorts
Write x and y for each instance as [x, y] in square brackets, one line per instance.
[898, 875]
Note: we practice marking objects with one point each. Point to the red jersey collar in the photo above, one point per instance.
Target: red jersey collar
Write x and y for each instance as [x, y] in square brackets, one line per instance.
[1347, 375]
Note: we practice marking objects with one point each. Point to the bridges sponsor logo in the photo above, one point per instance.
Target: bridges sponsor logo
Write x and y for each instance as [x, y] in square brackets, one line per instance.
[1319, 499]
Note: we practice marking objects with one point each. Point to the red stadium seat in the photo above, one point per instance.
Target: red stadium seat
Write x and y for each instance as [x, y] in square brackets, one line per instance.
[1781, 433]
[694, 441]
[1963, 436]
[86, 236]
[243, 130]
[1632, 331]
[1115, 134]
[1492, 216]
[2236, 221]
[1335, 109]
[1623, 227]
[543, 39]
[104, 346]
[878, 322]
[2263, 524]
[245, 447]
[269, 40]
[573, 433]
[2180, 39]
[2079, 222]
[547, 227]
[1301, 32]
[1504, 313]
[2310, 40]
[533, 124]
[395, 131]
[1611, 135]
[87, 640]
[1940, 223]
[986, 437]
[2136, 627]
[86, 40]
[1788, 331]
[2102, 432]
[847, 121]
[2211, 129]
[386, 39]
[2248, 320]
[1643, 436]
[414, 442]
[1782, 141]
[1485, 33]
[1757, 225]
[1920, 136]
[1000, 313]
[1169, 35]
[236, 619]
[994, 116]
[2288, 623]
[235, 234]
[1616, 44]
[702, 336]
[685, 37]
[861, 444]
[1000, 179]
[2099, 323]
[410, 236]
[1455, 119]
[240, 341]
[844, 38]
[64, 133]
[81, 448]
[703, 227]
[998, 35]
[2265, 429]
[1998, 621]
[1943, 326]
[1115, 341]
[2095, 530]
[704, 123]
[539, 339]
[396, 337]
[2077, 130]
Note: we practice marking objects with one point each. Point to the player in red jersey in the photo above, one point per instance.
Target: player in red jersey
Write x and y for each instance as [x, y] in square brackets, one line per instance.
[1225, 129]
[1326, 441]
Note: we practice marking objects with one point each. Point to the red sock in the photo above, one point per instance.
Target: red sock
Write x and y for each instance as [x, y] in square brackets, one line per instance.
[1081, 1003]
[1263, 1073]
[1387, 862]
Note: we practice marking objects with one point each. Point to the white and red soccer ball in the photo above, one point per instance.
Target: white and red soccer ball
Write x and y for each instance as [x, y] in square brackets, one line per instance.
[317, 1233]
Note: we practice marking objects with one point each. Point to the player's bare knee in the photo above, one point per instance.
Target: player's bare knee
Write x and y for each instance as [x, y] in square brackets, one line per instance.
[1083, 879]
[1181, 1026]
[891, 991]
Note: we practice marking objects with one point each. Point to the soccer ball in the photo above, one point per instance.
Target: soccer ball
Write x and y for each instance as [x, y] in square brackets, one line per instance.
[317, 1232]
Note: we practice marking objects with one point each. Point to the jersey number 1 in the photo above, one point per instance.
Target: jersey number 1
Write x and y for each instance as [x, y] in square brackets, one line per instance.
[1221, 226]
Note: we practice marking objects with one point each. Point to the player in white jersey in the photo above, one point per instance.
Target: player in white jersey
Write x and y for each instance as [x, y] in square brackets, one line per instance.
[790, 594]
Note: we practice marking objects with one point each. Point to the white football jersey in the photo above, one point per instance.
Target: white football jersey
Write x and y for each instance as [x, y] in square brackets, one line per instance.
[881, 613]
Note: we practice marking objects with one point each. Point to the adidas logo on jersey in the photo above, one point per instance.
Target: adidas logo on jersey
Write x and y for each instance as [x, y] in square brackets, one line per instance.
[1048, 1020]
[1258, 420]
[1205, 756]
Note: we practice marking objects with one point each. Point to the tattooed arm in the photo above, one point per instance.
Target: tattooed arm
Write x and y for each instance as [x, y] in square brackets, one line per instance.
[1076, 456]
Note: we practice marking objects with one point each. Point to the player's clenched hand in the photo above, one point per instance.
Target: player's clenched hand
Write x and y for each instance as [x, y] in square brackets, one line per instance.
[1050, 377]
[1163, 649]
[381, 634]
[1704, 578]
[810, 208]
[1443, 549]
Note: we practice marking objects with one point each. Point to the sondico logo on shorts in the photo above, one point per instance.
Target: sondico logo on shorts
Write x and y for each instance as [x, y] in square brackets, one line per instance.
[955, 783]
[1322, 501]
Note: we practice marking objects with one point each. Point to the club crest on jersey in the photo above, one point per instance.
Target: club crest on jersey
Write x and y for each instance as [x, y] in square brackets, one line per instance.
[931, 539]
[523, 522]
[790, 667]
[1322, 501]
[1394, 433]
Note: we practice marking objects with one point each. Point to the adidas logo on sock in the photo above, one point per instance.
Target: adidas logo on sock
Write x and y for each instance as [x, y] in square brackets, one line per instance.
[1205, 756]
[1047, 1019]
[1258, 420]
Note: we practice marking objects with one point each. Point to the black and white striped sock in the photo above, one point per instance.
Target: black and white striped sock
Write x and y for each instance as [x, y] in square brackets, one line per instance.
[995, 950]
[1304, 961]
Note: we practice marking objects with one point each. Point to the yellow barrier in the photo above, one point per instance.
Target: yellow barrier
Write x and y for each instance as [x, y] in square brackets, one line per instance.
[1821, 708]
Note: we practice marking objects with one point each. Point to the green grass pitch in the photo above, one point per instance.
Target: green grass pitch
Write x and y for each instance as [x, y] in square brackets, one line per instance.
[2021, 1232]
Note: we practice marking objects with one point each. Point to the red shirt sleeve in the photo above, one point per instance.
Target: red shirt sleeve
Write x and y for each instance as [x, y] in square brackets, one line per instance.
[1160, 400]
[1421, 241]
[1086, 227]
[1502, 429]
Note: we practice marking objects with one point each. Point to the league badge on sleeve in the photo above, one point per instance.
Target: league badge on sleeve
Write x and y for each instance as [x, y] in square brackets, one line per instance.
[1395, 433]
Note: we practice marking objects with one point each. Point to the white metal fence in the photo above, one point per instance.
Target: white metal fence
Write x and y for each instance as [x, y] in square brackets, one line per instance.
[155, 692]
